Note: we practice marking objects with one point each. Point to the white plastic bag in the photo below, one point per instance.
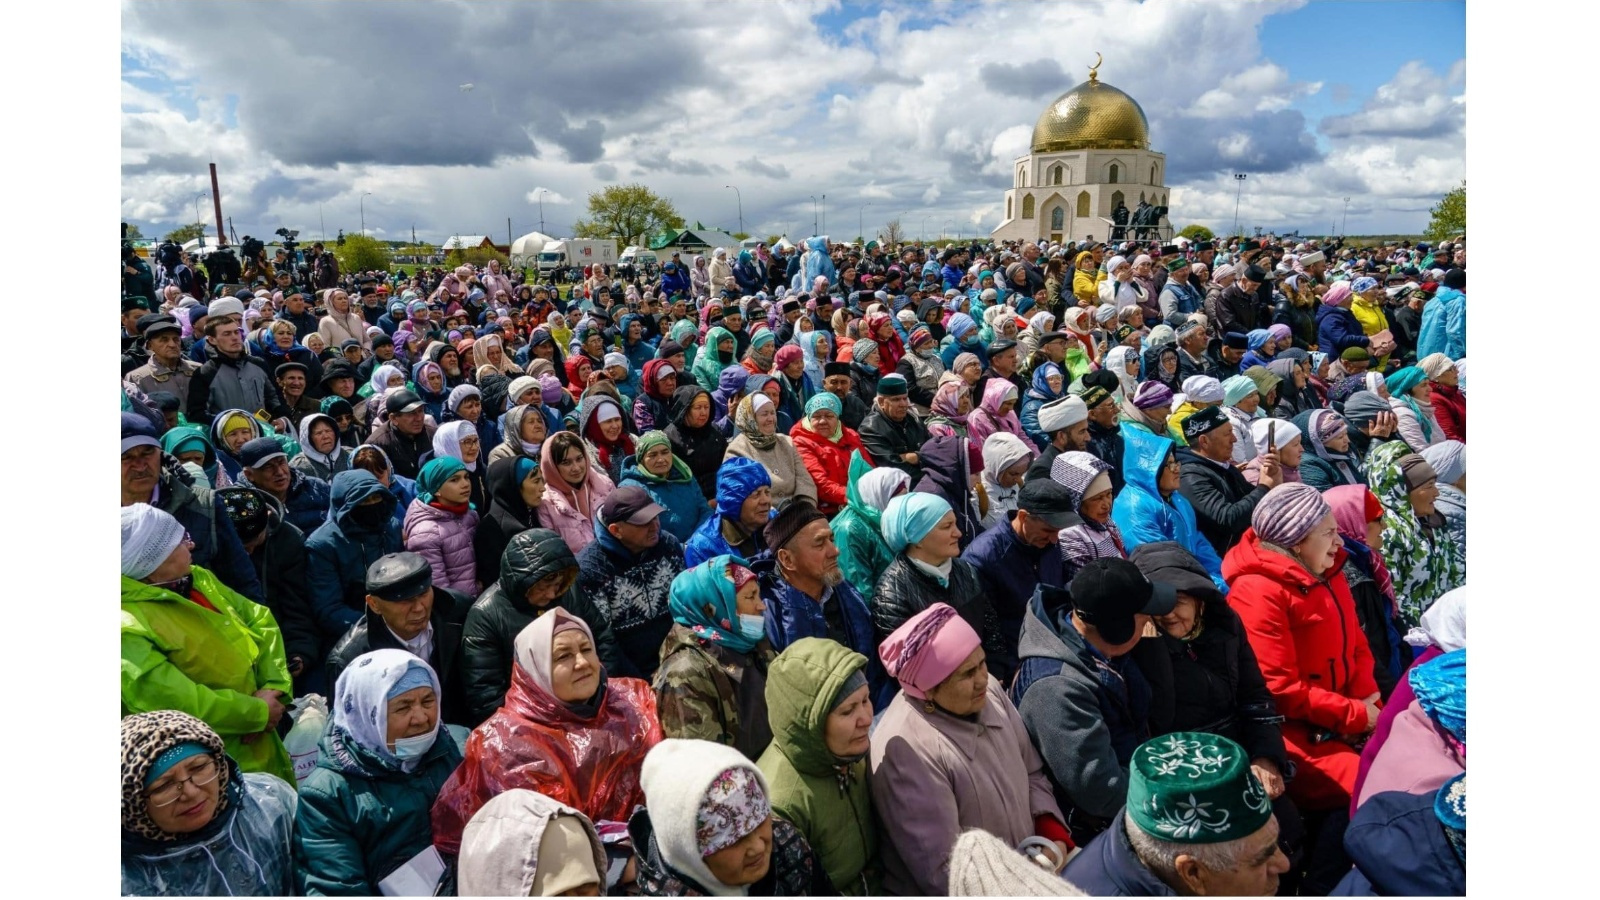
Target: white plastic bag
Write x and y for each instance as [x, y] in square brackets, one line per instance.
[310, 715]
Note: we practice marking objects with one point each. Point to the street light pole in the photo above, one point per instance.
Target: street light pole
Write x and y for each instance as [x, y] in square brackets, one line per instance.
[740, 198]
[861, 229]
[364, 211]
[542, 192]
[1238, 178]
[814, 229]
[824, 212]
[922, 234]
[198, 219]
[1345, 226]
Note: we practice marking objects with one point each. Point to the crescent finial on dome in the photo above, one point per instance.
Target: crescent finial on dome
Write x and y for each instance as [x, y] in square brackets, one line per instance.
[1094, 75]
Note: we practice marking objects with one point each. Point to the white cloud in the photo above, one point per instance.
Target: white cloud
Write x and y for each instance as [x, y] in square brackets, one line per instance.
[893, 113]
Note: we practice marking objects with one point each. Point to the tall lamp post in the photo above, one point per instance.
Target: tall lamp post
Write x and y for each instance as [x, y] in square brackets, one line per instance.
[1344, 227]
[861, 229]
[542, 192]
[364, 211]
[198, 219]
[824, 212]
[1238, 178]
[814, 227]
[740, 198]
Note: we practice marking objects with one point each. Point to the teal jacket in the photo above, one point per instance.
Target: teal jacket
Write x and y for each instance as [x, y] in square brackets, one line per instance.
[863, 555]
[360, 818]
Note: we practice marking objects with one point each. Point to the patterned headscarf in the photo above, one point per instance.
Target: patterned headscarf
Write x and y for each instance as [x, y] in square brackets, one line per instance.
[1441, 688]
[735, 805]
[147, 736]
[704, 600]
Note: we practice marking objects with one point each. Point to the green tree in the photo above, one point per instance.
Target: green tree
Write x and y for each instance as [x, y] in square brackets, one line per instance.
[741, 235]
[1449, 216]
[360, 252]
[476, 256]
[183, 234]
[628, 213]
[773, 239]
[134, 234]
[1197, 233]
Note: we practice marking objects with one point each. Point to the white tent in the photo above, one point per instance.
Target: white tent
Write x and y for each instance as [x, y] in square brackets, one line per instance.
[783, 244]
[525, 250]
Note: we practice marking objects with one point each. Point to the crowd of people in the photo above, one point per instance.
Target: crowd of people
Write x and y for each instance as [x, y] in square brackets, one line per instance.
[978, 570]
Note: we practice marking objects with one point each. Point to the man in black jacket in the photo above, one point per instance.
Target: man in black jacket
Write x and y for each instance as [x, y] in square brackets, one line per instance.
[1192, 359]
[1065, 421]
[537, 573]
[406, 434]
[1105, 433]
[892, 433]
[836, 381]
[278, 550]
[1239, 307]
[232, 379]
[1222, 498]
[295, 313]
[406, 612]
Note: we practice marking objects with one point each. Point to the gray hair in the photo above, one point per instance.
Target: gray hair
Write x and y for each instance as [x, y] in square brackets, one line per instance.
[1160, 856]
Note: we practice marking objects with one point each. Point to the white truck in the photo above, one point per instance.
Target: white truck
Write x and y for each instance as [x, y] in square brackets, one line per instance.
[569, 254]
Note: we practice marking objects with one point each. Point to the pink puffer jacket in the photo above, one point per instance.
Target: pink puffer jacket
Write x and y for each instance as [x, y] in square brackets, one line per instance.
[571, 514]
[444, 539]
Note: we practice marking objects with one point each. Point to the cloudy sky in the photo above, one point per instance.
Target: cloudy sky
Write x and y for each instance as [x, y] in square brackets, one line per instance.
[915, 109]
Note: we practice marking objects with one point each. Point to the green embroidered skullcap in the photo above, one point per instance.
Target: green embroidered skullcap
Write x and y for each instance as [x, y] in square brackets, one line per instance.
[1189, 787]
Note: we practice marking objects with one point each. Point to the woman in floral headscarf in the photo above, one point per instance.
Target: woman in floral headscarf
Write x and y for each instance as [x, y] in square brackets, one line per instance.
[759, 438]
[1088, 480]
[1417, 544]
[192, 824]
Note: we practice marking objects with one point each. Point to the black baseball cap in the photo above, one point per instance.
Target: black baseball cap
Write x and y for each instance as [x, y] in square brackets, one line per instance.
[402, 401]
[257, 452]
[631, 505]
[399, 576]
[1109, 593]
[1049, 502]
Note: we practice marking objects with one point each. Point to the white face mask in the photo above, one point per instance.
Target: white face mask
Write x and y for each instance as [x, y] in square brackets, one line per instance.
[752, 627]
[413, 747]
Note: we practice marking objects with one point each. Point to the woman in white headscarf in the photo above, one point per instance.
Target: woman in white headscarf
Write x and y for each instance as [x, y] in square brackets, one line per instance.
[459, 439]
[1120, 360]
[365, 810]
[719, 275]
[1005, 460]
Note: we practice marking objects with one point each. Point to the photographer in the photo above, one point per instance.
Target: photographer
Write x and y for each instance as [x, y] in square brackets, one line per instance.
[324, 268]
[171, 269]
[137, 280]
[255, 261]
[222, 267]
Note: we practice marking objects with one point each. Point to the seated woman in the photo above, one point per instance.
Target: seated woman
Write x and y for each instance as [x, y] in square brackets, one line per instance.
[1098, 537]
[825, 445]
[566, 730]
[707, 829]
[857, 529]
[934, 775]
[193, 825]
[760, 439]
[600, 422]
[1005, 461]
[1427, 742]
[744, 506]
[516, 490]
[928, 569]
[1411, 398]
[712, 681]
[459, 440]
[524, 844]
[695, 440]
[820, 711]
[190, 643]
[321, 454]
[364, 809]
[1285, 436]
[1449, 461]
[1359, 516]
[574, 489]
[668, 481]
[1327, 461]
[525, 431]
[996, 412]
[1290, 591]
[1417, 546]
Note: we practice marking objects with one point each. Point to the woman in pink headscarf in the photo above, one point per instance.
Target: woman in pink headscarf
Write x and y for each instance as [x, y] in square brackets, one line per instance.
[997, 411]
[934, 775]
[890, 348]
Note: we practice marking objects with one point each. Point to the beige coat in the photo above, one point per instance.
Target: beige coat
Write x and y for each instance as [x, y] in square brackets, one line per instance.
[721, 273]
[790, 478]
[336, 328]
[935, 776]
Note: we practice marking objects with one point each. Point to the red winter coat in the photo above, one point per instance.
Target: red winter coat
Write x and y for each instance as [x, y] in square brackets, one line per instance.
[1314, 659]
[1450, 408]
[828, 463]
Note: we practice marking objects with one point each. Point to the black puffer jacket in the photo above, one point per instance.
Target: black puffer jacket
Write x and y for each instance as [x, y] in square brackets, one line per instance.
[370, 633]
[488, 646]
[506, 517]
[1213, 683]
[905, 590]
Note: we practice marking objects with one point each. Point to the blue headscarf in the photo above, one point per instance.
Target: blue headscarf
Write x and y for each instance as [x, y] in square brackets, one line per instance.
[909, 518]
[1041, 383]
[807, 342]
[1401, 384]
[435, 474]
[1257, 338]
[1441, 688]
[710, 584]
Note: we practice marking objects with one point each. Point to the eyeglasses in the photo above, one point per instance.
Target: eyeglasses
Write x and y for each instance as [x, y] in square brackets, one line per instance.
[202, 775]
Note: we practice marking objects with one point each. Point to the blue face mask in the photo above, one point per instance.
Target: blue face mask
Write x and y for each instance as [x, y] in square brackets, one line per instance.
[414, 747]
[752, 627]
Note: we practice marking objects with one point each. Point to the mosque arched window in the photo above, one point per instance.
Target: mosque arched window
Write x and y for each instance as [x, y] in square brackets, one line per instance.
[1057, 218]
[1113, 178]
[1027, 207]
[1008, 207]
[1055, 175]
[1083, 204]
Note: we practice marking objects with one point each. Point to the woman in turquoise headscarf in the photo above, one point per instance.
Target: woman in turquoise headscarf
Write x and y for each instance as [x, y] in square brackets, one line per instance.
[439, 524]
[857, 529]
[686, 335]
[712, 682]
[190, 445]
[927, 569]
[718, 354]
[1411, 398]
[668, 481]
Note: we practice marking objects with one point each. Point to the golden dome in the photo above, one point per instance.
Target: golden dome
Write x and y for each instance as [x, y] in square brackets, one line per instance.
[1092, 116]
